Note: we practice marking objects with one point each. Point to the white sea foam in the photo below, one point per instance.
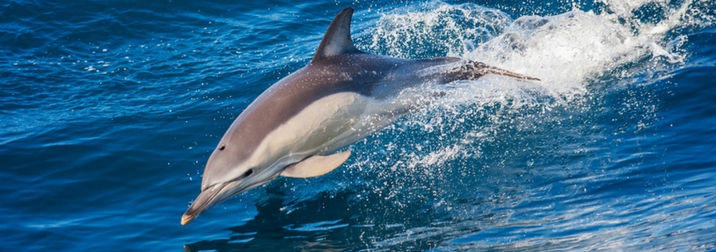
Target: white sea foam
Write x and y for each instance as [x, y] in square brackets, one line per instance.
[567, 51]
[453, 27]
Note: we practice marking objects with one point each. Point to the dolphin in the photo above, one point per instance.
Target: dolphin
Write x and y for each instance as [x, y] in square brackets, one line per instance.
[295, 128]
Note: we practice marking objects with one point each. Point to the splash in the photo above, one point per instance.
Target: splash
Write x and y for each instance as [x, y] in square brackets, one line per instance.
[570, 49]
[570, 52]
[567, 51]
[438, 30]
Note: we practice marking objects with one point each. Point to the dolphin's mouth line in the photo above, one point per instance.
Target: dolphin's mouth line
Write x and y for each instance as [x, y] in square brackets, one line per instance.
[218, 191]
[196, 210]
[203, 205]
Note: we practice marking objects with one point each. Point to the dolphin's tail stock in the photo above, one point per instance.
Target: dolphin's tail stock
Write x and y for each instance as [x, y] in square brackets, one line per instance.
[485, 69]
[478, 69]
[473, 70]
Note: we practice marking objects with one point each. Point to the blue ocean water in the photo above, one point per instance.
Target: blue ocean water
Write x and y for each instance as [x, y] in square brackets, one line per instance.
[109, 110]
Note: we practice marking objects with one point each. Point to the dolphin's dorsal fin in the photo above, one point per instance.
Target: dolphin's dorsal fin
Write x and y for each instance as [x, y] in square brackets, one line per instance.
[337, 39]
[316, 165]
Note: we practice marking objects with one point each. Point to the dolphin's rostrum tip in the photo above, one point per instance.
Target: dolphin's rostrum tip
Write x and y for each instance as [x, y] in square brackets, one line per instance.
[185, 219]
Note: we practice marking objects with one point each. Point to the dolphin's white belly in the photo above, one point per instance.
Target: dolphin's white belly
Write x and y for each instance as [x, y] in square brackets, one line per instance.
[324, 126]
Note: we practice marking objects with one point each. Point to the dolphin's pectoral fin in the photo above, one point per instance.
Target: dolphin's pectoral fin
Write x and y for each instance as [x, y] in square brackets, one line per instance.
[316, 165]
[473, 70]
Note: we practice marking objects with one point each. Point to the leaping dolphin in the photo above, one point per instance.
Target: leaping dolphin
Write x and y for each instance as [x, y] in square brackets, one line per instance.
[294, 128]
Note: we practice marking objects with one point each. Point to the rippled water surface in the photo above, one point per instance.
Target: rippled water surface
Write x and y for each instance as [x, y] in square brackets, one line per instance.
[110, 109]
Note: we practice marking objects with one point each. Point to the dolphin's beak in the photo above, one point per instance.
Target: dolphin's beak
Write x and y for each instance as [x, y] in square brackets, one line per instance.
[204, 201]
[213, 195]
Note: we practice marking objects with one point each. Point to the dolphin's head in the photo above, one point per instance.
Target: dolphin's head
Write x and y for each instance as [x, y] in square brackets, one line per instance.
[226, 174]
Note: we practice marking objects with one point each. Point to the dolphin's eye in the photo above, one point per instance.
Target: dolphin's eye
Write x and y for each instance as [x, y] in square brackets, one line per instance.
[247, 173]
[222, 147]
[243, 176]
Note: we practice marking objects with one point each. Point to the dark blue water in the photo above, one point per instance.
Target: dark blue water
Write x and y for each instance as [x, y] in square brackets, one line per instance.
[109, 110]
